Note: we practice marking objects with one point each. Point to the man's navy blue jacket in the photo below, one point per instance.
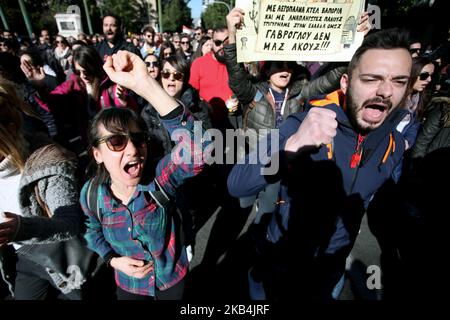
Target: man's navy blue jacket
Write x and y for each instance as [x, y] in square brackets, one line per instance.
[322, 199]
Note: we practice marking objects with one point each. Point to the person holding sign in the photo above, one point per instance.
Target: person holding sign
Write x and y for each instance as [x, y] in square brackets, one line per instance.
[267, 104]
[332, 158]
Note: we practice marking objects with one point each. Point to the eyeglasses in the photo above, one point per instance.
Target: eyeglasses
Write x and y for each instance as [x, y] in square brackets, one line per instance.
[424, 76]
[118, 141]
[149, 35]
[176, 74]
[198, 33]
[218, 43]
[414, 50]
[152, 64]
[184, 42]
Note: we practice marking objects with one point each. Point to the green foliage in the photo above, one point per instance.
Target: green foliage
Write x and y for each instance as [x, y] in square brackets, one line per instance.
[214, 16]
[176, 13]
[133, 13]
[36, 12]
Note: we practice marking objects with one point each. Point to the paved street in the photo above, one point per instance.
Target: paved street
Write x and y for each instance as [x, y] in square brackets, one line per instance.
[227, 278]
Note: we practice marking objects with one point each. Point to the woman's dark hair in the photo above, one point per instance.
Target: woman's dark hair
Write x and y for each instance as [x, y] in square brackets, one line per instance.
[89, 59]
[159, 61]
[12, 44]
[199, 53]
[115, 120]
[417, 65]
[64, 40]
[180, 64]
[165, 45]
[426, 95]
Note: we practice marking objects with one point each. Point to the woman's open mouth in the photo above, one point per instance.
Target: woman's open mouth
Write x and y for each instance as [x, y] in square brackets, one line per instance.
[134, 168]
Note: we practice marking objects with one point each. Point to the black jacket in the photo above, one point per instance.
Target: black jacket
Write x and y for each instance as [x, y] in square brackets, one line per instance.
[160, 142]
[103, 48]
[435, 133]
[259, 107]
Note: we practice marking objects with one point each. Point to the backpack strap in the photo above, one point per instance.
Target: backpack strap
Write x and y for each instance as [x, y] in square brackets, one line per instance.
[92, 194]
[160, 197]
[164, 201]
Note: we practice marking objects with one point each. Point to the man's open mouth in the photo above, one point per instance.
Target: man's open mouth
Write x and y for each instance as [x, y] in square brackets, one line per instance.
[374, 112]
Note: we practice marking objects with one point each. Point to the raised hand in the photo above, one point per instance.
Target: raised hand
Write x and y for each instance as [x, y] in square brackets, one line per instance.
[318, 128]
[132, 267]
[127, 70]
[364, 23]
[31, 72]
[235, 18]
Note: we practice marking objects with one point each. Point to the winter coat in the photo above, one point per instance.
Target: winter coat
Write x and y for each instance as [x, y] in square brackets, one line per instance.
[105, 50]
[259, 107]
[435, 133]
[322, 198]
[160, 141]
[52, 169]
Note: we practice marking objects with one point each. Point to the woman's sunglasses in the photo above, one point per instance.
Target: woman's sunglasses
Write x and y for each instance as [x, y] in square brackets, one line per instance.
[118, 141]
[424, 76]
[152, 64]
[176, 74]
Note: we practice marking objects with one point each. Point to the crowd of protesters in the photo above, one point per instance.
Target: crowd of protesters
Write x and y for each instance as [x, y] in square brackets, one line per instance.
[87, 151]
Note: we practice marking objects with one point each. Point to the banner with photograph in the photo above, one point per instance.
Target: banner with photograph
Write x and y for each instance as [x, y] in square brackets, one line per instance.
[299, 30]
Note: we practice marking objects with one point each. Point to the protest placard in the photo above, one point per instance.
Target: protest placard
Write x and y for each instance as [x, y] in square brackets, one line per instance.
[299, 30]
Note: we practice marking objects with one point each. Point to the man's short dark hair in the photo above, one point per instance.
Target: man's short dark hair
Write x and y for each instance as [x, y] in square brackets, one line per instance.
[118, 21]
[393, 38]
[220, 29]
[148, 29]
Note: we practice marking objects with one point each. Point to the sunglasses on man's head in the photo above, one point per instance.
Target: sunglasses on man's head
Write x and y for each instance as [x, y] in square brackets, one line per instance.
[118, 141]
[176, 74]
[424, 76]
[150, 64]
[218, 43]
